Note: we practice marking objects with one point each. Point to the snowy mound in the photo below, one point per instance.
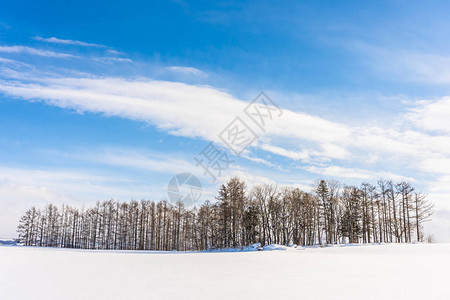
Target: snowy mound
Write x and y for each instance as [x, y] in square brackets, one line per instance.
[273, 247]
[276, 247]
[8, 242]
[258, 247]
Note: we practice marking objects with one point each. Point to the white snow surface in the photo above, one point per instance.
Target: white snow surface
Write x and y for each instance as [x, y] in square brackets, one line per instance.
[413, 271]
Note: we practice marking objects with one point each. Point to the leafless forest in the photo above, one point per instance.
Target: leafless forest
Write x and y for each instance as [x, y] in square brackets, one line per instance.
[333, 213]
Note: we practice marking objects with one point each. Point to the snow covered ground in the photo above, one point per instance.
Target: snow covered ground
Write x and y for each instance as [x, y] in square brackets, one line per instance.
[360, 272]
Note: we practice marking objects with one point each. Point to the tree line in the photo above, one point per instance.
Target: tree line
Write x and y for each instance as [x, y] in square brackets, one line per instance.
[331, 213]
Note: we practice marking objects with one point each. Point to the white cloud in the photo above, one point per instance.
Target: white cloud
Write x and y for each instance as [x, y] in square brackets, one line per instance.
[435, 165]
[432, 115]
[441, 186]
[250, 179]
[194, 111]
[355, 173]
[55, 40]
[34, 51]
[341, 172]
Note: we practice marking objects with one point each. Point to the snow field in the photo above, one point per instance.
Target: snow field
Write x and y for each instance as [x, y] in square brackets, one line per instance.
[362, 272]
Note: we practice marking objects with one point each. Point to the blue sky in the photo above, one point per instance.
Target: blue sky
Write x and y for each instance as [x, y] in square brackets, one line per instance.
[112, 99]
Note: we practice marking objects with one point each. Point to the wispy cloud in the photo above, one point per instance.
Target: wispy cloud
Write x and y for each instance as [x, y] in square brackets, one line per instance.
[202, 111]
[55, 40]
[129, 158]
[295, 155]
[404, 64]
[34, 51]
[114, 52]
[110, 60]
[187, 71]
